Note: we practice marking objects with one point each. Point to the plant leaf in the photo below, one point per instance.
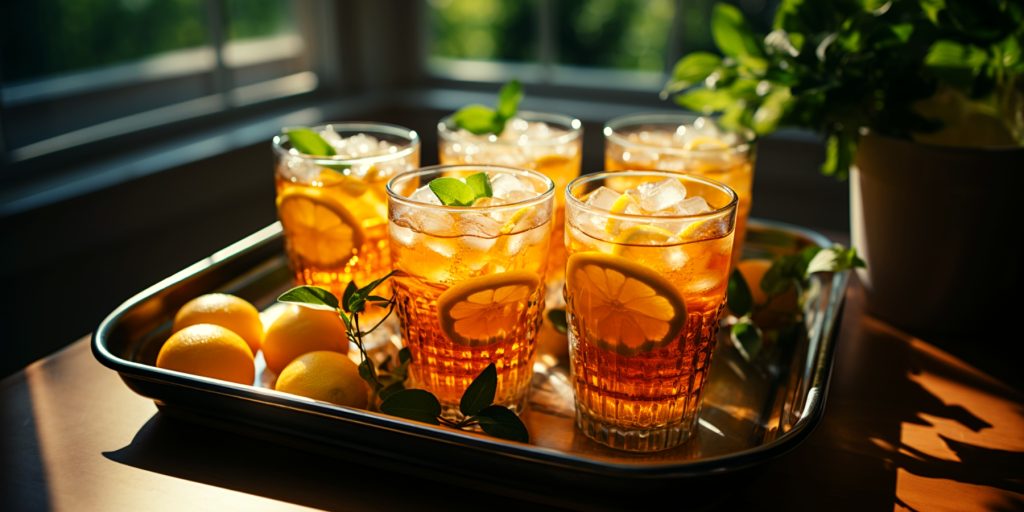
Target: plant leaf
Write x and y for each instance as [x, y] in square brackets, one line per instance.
[480, 184]
[308, 142]
[346, 296]
[691, 70]
[508, 102]
[404, 355]
[452, 192]
[558, 320]
[834, 259]
[740, 299]
[480, 392]
[775, 105]
[499, 421]
[747, 338]
[310, 296]
[478, 120]
[389, 390]
[413, 404]
[839, 150]
[705, 100]
[731, 33]
[369, 374]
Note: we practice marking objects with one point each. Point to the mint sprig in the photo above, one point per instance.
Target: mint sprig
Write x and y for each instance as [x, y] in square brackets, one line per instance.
[387, 380]
[481, 120]
[453, 192]
[309, 142]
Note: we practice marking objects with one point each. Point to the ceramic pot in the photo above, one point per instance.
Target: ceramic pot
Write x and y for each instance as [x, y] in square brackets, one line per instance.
[940, 230]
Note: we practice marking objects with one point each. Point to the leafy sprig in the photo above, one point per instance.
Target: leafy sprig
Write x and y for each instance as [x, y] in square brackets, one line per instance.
[455, 192]
[841, 66]
[387, 380]
[788, 272]
[481, 119]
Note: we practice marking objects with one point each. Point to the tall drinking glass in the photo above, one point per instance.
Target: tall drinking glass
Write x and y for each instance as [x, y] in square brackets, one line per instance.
[687, 144]
[470, 286]
[333, 209]
[643, 293]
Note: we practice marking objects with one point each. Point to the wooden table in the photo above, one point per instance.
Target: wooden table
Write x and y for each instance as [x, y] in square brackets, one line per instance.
[907, 426]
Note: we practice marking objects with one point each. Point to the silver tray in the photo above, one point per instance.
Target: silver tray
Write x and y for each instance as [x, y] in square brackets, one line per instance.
[752, 411]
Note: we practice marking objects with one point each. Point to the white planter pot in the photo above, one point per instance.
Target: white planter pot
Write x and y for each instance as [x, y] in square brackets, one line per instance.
[940, 229]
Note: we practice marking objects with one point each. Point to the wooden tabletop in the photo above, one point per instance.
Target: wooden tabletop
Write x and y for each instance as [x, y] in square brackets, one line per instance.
[907, 426]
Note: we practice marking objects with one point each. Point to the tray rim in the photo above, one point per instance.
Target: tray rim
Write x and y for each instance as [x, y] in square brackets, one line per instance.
[722, 463]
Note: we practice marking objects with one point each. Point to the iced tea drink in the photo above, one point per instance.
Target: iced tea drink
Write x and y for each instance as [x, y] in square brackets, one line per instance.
[333, 209]
[644, 289]
[470, 286]
[686, 144]
[547, 143]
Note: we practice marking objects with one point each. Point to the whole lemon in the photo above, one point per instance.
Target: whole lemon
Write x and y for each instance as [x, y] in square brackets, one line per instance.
[227, 311]
[208, 350]
[299, 330]
[327, 376]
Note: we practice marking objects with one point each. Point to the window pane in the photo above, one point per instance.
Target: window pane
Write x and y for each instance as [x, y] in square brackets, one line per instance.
[42, 38]
[504, 30]
[619, 34]
[252, 19]
[263, 41]
[696, 21]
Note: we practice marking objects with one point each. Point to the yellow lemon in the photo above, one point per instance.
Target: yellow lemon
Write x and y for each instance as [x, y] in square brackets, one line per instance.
[299, 330]
[208, 350]
[318, 227]
[228, 311]
[623, 306]
[326, 376]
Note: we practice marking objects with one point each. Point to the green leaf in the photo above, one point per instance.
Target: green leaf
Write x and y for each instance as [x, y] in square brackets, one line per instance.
[308, 142]
[480, 392]
[498, 421]
[369, 374]
[413, 404]
[310, 296]
[478, 120]
[480, 184]
[740, 299]
[731, 32]
[692, 69]
[404, 355]
[772, 109]
[786, 271]
[747, 338]
[558, 320]
[705, 100]
[452, 192]
[839, 150]
[508, 101]
[365, 291]
[834, 259]
[346, 296]
[389, 390]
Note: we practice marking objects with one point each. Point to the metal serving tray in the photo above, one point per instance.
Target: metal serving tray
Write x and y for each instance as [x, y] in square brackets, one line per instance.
[752, 411]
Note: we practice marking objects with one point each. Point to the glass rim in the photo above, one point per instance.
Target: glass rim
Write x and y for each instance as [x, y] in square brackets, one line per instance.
[614, 131]
[577, 203]
[546, 195]
[368, 127]
[574, 126]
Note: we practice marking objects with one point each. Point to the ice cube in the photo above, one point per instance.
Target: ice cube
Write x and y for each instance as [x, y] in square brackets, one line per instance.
[663, 195]
[477, 225]
[602, 198]
[695, 205]
[503, 185]
[359, 145]
[402, 234]
[301, 169]
[425, 195]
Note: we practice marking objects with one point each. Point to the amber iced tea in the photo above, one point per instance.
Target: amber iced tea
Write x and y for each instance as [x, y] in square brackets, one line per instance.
[644, 291]
[686, 144]
[333, 210]
[470, 287]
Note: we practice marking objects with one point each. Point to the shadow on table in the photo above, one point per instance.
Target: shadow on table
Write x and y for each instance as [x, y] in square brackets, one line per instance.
[255, 466]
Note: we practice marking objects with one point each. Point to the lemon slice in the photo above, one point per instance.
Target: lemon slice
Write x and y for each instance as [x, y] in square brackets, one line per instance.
[618, 206]
[354, 187]
[640, 235]
[318, 227]
[699, 230]
[704, 143]
[623, 306]
[519, 215]
[483, 310]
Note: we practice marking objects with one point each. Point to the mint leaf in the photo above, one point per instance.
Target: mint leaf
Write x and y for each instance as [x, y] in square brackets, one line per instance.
[346, 297]
[835, 259]
[478, 120]
[739, 297]
[508, 101]
[480, 392]
[558, 320]
[731, 33]
[413, 404]
[500, 422]
[452, 192]
[480, 184]
[310, 296]
[747, 338]
[705, 100]
[309, 142]
[692, 69]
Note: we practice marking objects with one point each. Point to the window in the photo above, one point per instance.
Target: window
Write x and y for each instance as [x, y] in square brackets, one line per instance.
[77, 71]
[625, 44]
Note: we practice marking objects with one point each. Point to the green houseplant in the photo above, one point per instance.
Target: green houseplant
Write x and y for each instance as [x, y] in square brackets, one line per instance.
[921, 103]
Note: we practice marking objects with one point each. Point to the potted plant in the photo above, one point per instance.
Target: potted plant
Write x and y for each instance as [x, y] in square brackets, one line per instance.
[921, 103]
